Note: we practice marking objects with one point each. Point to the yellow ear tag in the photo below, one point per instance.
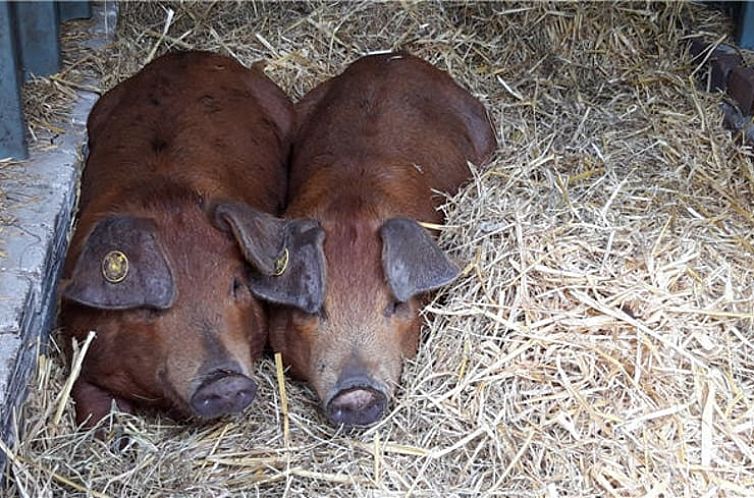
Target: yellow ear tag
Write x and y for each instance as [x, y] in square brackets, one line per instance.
[115, 267]
[281, 264]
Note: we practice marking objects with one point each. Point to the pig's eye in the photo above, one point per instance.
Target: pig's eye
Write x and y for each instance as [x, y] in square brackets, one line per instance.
[396, 308]
[239, 289]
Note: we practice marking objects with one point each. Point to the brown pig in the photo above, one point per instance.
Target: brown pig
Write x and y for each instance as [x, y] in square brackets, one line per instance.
[371, 146]
[186, 160]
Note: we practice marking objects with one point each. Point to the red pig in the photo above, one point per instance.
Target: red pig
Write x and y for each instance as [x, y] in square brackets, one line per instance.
[186, 161]
[371, 146]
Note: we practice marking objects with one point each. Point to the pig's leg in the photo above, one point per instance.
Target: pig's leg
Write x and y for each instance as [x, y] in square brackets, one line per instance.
[93, 403]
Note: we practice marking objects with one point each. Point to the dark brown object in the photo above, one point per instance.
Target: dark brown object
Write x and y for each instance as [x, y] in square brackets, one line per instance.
[741, 88]
[720, 70]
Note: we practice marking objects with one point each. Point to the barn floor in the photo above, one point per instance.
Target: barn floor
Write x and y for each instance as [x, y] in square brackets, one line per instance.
[601, 340]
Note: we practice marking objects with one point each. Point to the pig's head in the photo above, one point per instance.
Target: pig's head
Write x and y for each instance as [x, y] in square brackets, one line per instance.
[351, 349]
[177, 326]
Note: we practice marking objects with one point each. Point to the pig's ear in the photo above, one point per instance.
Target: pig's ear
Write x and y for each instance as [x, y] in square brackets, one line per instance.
[122, 266]
[299, 276]
[412, 261]
[286, 255]
[259, 234]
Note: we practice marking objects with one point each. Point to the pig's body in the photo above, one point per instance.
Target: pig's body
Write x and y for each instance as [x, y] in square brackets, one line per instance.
[371, 147]
[179, 329]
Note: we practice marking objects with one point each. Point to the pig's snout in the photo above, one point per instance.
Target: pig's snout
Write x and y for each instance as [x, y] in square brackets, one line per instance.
[358, 402]
[223, 395]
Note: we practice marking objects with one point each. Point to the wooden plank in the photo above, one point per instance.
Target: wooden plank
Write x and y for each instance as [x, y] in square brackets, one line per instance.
[74, 10]
[745, 37]
[12, 127]
[38, 37]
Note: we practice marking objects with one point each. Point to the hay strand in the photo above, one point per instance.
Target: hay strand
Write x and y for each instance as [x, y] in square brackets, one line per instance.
[78, 360]
[280, 376]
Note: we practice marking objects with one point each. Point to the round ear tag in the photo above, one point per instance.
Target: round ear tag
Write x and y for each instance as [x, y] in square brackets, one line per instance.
[281, 264]
[115, 267]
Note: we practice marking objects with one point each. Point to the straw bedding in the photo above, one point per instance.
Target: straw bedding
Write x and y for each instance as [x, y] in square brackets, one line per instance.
[601, 340]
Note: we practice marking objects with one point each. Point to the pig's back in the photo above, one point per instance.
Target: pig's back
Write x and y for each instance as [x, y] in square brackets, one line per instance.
[392, 109]
[193, 119]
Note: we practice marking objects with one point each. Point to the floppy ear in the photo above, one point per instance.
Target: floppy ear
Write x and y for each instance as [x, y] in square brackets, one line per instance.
[122, 266]
[286, 255]
[412, 261]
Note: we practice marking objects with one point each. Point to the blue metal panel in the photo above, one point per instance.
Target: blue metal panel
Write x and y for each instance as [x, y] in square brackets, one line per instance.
[12, 128]
[38, 37]
[74, 10]
[746, 25]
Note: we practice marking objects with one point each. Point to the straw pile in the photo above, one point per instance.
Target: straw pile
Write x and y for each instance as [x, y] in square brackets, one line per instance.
[601, 340]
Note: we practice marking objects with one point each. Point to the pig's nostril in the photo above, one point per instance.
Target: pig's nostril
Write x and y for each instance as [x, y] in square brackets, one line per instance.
[356, 407]
[229, 394]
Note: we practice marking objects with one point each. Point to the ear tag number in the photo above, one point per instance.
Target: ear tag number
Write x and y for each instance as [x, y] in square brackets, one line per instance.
[281, 264]
[115, 267]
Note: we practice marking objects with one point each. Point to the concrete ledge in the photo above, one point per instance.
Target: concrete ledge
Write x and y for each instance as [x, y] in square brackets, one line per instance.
[41, 195]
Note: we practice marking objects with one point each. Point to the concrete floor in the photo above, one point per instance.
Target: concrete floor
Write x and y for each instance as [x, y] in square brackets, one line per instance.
[41, 195]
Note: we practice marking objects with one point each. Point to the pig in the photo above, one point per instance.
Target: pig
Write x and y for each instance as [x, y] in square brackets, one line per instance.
[370, 147]
[185, 171]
